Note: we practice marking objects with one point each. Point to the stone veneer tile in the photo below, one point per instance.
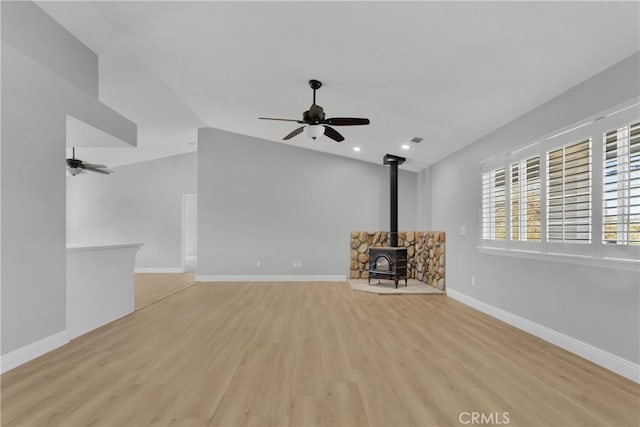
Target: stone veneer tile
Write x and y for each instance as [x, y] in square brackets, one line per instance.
[425, 250]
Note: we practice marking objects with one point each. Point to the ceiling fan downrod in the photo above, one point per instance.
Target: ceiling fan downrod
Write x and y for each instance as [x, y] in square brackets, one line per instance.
[315, 85]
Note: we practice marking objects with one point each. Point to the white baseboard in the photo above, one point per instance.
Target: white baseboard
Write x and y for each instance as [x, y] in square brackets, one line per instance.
[33, 350]
[270, 278]
[617, 364]
[159, 270]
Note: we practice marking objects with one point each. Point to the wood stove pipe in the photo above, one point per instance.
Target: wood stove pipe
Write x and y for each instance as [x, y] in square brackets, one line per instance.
[393, 162]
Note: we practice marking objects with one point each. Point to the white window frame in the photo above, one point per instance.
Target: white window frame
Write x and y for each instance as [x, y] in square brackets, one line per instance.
[614, 121]
[595, 253]
[490, 165]
[525, 153]
[570, 137]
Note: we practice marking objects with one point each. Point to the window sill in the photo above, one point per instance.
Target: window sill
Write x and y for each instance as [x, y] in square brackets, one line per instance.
[610, 263]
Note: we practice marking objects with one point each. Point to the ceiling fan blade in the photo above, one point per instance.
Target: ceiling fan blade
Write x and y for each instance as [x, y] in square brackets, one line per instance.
[294, 133]
[281, 120]
[102, 171]
[333, 134]
[346, 121]
[94, 166]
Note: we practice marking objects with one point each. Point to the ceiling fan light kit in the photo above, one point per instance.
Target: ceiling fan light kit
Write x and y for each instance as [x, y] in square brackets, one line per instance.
[316, 123]
[314, 131]
[75, 171]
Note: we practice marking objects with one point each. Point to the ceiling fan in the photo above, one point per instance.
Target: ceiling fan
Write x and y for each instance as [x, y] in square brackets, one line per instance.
[77, 166]
[316, 124]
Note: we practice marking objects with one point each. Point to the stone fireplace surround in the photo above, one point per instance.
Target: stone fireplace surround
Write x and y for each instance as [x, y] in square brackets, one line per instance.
[425, 253]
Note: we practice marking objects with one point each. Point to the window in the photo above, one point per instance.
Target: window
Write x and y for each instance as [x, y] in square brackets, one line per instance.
[525, 200]
[621, 186]
[575, 192]
[569, 193]
[494, 205]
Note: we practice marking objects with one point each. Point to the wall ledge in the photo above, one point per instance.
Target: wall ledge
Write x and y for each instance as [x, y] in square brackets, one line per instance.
[610, 361]
[159, 270]
[272, 278]
[591, 261]
[79, 247]
[31, 351]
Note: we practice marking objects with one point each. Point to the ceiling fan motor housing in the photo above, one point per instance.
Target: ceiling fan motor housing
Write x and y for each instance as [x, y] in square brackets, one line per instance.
[74, 163]
[314, 115]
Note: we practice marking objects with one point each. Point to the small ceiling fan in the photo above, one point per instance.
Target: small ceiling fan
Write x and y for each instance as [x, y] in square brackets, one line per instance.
[77, 166]
[316, 124]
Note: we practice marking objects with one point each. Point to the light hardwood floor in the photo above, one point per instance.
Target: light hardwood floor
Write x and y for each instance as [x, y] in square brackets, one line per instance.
[232, 354]
[153, 287]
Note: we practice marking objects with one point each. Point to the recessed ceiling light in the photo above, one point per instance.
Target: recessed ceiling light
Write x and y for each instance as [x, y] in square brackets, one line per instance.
[405, 146]
[356, 148]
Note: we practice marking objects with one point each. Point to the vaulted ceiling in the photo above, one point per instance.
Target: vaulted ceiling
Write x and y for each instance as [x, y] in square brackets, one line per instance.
[449, 72]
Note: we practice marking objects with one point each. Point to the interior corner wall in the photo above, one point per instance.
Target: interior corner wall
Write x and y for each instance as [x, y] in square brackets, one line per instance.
[276, 203]
[36, 96]
[423, 199]
[140, 202]
[595, 305]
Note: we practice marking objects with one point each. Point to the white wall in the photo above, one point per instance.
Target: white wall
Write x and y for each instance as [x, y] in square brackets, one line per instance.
[423, 199]
[33, 236]
[595, 305]
[275, 203]
[46, 74]
[141, 202]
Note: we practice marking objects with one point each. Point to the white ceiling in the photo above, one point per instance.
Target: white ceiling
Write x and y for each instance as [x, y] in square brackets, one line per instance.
[449, 72]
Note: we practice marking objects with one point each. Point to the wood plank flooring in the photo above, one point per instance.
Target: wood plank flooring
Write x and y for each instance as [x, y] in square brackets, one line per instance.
[277, 354]
[152, 287]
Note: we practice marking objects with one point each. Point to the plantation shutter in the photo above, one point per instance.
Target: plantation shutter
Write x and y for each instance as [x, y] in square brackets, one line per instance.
[621, 185]
[525, 200]
[569, 193]
[516, 203]
[634, 184]
[494, 204]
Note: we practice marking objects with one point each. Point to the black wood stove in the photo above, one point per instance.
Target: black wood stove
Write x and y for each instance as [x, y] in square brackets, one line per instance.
[390, 262]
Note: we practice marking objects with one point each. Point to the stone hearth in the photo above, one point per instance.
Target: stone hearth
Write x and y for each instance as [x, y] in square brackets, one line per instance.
[425, 250]
[386, 287]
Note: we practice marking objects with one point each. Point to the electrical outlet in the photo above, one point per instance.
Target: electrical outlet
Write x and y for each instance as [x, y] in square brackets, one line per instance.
[296, 263]
[463, 230]
[258, 264]
[473, 281]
